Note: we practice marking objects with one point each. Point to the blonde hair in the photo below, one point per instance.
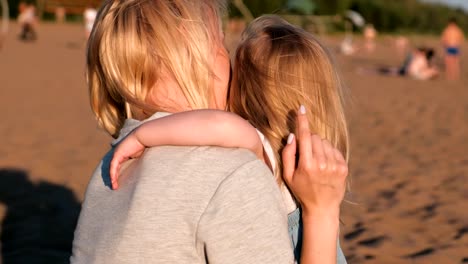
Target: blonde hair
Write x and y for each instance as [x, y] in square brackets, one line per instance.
[279, 67]
[136, 43]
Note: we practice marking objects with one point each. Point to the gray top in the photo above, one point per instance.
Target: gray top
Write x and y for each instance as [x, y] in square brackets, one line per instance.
[184, 205]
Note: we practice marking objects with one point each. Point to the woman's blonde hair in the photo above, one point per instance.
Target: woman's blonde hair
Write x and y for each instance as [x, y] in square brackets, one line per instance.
[135, 43]
[279, 67]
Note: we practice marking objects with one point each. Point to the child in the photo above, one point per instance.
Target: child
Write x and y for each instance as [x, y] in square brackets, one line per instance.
[278, 68]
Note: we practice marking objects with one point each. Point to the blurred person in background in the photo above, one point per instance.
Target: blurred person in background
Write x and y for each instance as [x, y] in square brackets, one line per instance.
[89, 16]
[369, 36]
[417, 65]
[402, 46]
[60, 14]
[347, 46]
[21, 9]
[28, 21]
[452, 40]
[420, 66]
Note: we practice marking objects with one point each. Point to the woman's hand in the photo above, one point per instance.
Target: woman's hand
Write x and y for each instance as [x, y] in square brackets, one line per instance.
[129, 148]
[319, 180]
[319, 183]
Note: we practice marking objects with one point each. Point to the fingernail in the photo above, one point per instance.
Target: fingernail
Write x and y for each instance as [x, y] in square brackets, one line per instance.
[302, 110]
[290, 138]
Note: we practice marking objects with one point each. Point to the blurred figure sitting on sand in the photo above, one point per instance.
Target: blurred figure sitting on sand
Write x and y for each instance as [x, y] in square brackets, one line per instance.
[420, 66]
[27, 21]
[417, 65]
[89, 16]
[452, 40]
[369, 35]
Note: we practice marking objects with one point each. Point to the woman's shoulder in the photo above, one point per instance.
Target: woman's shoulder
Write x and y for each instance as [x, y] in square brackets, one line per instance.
[203, 159]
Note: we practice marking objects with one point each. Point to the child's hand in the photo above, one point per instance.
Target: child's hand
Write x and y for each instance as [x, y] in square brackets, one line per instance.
[129, 148]
[319, 180]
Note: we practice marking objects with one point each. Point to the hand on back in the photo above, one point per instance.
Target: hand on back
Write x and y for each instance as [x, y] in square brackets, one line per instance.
[318, 180]
[129, 148]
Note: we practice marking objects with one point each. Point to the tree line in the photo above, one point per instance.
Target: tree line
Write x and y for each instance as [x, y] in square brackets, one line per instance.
[387, 16]
[397, 16]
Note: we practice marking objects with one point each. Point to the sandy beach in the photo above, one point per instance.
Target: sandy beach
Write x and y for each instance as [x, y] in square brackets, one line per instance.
[409, 167]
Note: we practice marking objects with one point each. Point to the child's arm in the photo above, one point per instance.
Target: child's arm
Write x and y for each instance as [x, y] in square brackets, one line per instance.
[192, 128]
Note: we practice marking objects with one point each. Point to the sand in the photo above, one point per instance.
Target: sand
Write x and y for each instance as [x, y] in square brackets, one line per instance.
[409, 167]
[51, 143]
[408, 163]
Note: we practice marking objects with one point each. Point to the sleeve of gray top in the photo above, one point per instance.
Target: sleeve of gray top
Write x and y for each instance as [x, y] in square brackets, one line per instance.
[245, 221]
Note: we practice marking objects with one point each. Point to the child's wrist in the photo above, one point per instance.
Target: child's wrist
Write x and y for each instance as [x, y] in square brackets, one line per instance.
[136, 135]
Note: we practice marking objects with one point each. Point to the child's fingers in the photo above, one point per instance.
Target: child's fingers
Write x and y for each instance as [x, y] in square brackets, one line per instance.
[289, 159]
[114, 169]
[115, 185]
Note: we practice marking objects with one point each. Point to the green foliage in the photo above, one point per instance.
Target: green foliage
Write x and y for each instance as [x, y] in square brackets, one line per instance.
[386, 15]
[301, 7]
[331, 7]
[407, 15]
[260, 7]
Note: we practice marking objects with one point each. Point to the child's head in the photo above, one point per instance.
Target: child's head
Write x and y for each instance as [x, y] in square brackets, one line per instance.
[136, 46]
[277, 68]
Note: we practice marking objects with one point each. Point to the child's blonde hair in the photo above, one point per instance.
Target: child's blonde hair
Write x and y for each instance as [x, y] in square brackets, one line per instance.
[277, 68]
[134, 43]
